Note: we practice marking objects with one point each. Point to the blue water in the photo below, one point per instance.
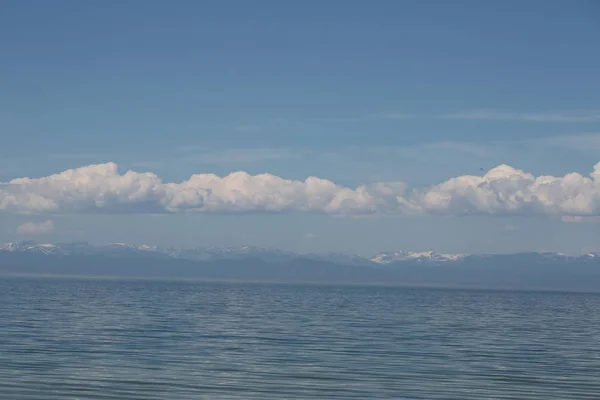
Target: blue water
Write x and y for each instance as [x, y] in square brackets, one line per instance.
[104, 339]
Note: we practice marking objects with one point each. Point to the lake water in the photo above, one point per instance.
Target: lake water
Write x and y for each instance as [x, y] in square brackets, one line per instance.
[104, 339]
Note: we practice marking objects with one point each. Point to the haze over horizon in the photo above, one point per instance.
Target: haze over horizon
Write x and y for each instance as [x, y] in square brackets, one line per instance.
[333, 127]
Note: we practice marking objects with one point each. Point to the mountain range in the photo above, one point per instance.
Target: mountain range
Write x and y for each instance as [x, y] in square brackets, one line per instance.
[220, 253]
[241, 252]
[545, 271]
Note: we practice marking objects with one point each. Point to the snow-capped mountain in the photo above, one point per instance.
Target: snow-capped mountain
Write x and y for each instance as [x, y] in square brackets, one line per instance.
[270, 255]
[425, 256]
[30, 247]
[75, 248]
[125, 249]
[9, 247]
[547, 271]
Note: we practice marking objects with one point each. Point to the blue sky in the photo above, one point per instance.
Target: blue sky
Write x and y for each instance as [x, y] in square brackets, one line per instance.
[349, 91]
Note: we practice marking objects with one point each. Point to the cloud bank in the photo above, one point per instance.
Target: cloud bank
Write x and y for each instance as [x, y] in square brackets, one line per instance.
[101, 188]
[36, 228]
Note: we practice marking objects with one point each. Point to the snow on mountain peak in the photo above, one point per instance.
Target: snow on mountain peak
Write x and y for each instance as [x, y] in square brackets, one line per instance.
[270, 255]
[390, 257]
[148, 247]
[9, 247]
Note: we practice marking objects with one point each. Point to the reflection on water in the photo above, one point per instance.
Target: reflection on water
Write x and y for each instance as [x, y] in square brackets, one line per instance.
[102, 339]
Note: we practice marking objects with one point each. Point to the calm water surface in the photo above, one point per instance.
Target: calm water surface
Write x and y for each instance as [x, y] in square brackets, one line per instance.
[102, 339]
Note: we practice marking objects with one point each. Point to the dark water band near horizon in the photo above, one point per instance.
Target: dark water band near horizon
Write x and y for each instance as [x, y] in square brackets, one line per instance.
[111, 339]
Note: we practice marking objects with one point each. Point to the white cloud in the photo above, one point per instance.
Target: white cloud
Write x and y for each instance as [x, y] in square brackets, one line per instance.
[100, 188]
[36, 228]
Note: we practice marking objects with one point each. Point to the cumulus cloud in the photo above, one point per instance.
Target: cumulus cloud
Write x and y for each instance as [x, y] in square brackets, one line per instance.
[36, 228]
[101, 188]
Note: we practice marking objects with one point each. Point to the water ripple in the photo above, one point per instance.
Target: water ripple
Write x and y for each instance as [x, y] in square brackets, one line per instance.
[102, 339]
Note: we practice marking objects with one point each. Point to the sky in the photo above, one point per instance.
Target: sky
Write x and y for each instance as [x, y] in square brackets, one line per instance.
[338, 126]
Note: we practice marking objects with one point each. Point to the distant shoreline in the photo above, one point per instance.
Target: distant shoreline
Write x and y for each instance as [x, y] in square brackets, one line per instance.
[175, 279]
